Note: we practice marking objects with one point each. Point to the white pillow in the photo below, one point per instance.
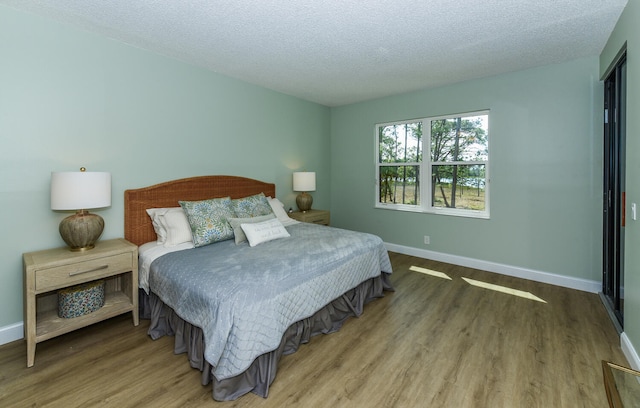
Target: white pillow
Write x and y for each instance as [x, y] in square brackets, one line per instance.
[236, 224]
[161, 232]
[264, 231]
[175, 222]
[278, 209]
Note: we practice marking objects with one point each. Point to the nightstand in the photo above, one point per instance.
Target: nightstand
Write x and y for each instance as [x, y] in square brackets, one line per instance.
[45, 272]
[321, 217]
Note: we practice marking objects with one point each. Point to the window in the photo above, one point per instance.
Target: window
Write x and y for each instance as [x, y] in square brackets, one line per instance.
[451, 178]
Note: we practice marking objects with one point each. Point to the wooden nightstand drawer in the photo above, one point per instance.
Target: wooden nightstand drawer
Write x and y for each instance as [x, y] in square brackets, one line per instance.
[67, 275]
[321, 217]
[317, 219]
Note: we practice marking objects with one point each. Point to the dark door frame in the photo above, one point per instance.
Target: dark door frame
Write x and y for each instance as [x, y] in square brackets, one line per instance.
[614, 191]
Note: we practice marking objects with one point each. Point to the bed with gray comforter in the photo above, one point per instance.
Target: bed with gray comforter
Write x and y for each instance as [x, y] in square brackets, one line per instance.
[237, 309]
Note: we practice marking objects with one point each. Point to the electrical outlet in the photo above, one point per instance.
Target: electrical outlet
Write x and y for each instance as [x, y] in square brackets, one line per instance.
[427, 240]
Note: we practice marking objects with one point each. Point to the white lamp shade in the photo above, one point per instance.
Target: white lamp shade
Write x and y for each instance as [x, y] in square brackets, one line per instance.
[80, 190]
[304, 181]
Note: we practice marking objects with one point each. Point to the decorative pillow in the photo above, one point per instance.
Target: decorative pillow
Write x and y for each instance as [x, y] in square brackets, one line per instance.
[171, 226]
[278, 209]
[208, 220]
[252, 206]
[264, 231]
[237, 229]
[176, 226]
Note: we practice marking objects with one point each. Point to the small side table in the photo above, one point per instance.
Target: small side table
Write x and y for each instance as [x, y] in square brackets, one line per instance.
[622, 385]
[45, 272]
[322, 217]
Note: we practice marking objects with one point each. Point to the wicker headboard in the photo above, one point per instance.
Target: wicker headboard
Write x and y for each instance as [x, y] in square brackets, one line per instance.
[137, 224]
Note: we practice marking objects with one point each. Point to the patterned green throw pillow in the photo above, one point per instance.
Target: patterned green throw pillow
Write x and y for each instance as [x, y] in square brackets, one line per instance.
[252, 206]
[208, 220]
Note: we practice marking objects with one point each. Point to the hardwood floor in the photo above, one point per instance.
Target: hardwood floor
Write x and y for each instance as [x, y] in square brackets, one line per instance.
[434, 342]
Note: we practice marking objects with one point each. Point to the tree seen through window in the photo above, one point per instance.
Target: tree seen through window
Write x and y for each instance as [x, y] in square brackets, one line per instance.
[454, 173]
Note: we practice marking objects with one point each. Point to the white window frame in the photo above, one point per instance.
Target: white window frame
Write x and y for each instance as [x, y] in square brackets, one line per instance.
[426, 170]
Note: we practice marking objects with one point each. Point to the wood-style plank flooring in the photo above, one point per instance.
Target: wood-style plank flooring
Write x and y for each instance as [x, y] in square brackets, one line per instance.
[434, 342]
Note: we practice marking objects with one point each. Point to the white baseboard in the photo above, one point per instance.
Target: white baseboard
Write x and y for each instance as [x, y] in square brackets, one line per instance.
[629, 351]
[530, 274]
[11, 333]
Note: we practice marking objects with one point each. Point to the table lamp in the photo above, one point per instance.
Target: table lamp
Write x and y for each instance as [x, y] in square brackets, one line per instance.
[304, 181]
[80, 191]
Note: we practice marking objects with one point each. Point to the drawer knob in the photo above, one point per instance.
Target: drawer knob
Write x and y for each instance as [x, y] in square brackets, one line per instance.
[99, 268]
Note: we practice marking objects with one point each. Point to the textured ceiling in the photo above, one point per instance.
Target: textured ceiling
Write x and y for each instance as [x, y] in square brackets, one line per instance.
[337, 52]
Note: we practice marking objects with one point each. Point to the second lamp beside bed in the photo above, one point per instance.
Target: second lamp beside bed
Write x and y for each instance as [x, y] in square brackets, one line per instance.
[303, 182]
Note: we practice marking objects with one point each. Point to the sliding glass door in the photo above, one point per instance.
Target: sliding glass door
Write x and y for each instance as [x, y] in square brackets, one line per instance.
[614, 190]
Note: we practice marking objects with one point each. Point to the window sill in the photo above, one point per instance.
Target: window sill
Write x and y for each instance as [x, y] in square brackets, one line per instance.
[439, 211]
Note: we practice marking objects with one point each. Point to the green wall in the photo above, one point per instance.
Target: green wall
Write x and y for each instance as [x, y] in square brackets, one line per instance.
[70, 99]
[545, 169]
[627, 30]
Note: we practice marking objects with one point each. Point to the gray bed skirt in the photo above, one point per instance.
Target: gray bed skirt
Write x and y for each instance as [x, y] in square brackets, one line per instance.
[262, 372]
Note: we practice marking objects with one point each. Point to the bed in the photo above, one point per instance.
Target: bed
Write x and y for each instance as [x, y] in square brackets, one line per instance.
[236, 308]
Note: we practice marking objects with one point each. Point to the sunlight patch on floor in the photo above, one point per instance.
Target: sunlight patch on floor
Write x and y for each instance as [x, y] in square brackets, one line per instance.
[429, 272]
[503, 289]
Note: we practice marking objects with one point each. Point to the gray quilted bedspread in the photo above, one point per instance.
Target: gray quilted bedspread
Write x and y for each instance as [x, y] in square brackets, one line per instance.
[244, 298]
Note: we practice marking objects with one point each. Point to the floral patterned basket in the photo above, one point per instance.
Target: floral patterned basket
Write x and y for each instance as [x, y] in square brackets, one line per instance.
[81, 299]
